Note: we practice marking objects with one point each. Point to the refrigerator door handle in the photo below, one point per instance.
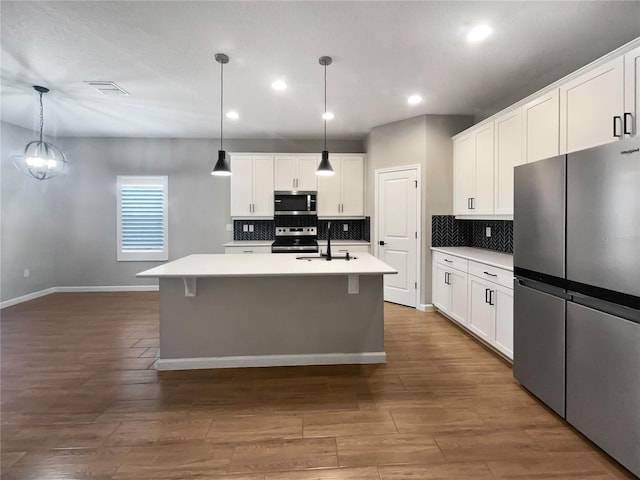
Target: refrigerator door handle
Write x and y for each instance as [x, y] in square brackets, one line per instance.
[617, 117]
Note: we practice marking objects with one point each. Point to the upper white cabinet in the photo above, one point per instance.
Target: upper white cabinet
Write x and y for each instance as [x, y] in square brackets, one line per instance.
[342, 194]
[631, 92]
[474, 172]
[508, 154]
[541, 127]
[296, 172]
[252, 186]
[592, 107]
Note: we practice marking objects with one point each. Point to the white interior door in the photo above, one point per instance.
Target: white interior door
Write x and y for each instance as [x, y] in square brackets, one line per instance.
[397, 223]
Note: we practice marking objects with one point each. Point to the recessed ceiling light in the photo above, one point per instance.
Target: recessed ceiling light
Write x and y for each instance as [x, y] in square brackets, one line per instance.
[414, 99]
[279, 85]
[479, 33]
[327, 116]
[233, 115]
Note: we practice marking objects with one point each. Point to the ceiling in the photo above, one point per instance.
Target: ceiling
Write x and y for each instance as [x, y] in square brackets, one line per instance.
[162, 54]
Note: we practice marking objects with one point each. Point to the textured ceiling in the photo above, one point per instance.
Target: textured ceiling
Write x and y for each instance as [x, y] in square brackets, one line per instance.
[162, 53]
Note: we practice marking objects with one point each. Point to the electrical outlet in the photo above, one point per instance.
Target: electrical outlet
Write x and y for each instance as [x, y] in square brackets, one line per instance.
[487, 232]
[245, 228]
[229, 227]
[250, 228]
[345, 227]
[26, 273]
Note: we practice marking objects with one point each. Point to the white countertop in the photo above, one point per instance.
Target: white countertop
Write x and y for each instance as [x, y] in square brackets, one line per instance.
[482, 255]
[258, 265]
[267, 243]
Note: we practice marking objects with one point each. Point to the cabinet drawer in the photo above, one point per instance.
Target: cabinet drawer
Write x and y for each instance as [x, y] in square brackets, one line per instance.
[451, 261]
[492, 274]
[254, 249]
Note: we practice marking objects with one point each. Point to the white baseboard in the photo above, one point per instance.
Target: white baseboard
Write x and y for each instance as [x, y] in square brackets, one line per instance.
[109, 288]
[270, 360]
[27, 297]
[426, 307]
[49, 291]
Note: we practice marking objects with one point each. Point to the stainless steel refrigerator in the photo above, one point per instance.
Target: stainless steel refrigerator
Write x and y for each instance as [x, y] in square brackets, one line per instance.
[577, 291]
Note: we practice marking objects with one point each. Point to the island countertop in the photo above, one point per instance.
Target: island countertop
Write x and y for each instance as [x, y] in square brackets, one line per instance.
[264, 265]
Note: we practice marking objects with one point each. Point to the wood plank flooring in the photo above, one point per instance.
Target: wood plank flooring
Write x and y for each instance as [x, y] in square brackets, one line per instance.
[81, 400]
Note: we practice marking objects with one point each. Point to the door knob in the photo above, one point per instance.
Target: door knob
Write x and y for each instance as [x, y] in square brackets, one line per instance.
[381, 242]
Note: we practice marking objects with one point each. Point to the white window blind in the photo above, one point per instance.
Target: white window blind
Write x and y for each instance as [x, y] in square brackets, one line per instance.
[142, 218]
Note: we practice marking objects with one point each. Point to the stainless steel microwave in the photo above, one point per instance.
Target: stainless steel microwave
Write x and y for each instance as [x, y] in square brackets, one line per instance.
[295, 203]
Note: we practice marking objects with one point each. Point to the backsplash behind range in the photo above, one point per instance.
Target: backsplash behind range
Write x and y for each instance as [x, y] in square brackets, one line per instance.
[265, 229]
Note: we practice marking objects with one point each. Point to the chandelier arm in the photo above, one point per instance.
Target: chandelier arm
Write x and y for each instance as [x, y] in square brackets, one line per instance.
[41, 116]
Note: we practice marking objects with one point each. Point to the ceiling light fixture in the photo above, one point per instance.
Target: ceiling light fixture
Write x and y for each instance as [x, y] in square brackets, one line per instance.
[479, 33]
[414, 99]
[233, 115]
[279, 85]
[40, 160]
[325, 168]
[222, 167]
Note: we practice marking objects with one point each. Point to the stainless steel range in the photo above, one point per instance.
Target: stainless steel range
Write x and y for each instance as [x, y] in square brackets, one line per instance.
[295, 240]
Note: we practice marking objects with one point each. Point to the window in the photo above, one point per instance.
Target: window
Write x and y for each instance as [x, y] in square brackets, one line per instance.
[142, 218]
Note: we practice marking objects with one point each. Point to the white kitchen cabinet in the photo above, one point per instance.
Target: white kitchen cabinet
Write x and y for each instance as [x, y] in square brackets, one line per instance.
[450, 287]
[631, 92]
[592, 107]
[503, 330]
[541, 127]
[296, 172]
[342, 248]
[473, 158]
[508, 154]
[247, 249]
[342, 194]
[252, 186]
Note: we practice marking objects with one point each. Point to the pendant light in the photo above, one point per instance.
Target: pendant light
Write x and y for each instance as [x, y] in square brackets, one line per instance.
[40, 160]
[325, 168]
[222, 167]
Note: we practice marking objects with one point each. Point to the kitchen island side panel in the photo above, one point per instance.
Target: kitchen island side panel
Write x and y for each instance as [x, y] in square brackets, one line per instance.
[251, 316]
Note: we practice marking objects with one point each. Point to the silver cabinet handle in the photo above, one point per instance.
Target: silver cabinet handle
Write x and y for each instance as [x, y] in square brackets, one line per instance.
[247, 251]
[473, 203]
[490, 274]
[468, 203]
[448, 261]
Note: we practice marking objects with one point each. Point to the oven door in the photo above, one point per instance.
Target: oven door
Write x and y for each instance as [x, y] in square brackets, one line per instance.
[298, 203]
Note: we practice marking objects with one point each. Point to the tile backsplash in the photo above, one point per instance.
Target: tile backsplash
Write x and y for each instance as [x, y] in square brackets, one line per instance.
[265, 229]
[446, 231]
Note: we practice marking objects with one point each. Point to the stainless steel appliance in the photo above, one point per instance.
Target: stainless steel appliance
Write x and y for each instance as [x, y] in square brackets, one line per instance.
[295, 240]
[577, 292]
[295, 203]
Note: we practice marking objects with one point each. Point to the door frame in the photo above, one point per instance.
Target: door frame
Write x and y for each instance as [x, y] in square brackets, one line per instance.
[417, 168]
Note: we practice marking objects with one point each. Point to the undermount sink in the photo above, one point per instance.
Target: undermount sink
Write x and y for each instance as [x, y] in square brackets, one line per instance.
[323, 257]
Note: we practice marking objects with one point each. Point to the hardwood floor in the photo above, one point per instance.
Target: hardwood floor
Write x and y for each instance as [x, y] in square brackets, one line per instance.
[81, 400]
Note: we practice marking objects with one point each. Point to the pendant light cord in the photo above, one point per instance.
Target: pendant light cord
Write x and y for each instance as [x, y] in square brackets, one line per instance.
[41, 117]
[325, 106]
[221, 100]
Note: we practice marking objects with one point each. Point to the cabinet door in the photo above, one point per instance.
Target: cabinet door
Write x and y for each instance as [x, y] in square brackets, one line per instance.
[307, 178]
[483, 197]
[441, 290]
[463, 173]
[481, 314]
[459, 303]
[503, 335]
[632, 90]
[541, 127]
[285, 173]
[508, 154]
[352, 186]
[329, 198]
[262, 186]
[241, 186]
[588, 105]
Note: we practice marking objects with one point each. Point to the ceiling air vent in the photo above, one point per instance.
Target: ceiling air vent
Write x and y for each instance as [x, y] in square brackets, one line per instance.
[108, 88]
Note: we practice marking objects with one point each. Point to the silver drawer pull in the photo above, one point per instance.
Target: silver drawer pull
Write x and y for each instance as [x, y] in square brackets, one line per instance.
[247, 251]
[448, 261]
[490, 274]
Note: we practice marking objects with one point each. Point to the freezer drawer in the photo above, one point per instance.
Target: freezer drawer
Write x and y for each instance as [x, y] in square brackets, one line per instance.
[539, 344]
[603, 381]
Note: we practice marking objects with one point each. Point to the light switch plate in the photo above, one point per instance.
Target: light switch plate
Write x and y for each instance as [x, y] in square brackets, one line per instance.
[487, 232]
[345, 227]
[250, 228]
[229, 227]
[245, 227]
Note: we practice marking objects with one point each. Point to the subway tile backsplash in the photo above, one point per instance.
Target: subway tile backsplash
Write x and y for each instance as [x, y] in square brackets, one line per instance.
[446, 231]
[265, 229]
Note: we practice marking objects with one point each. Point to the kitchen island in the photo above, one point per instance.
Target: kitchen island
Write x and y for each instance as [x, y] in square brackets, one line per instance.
[233, 310]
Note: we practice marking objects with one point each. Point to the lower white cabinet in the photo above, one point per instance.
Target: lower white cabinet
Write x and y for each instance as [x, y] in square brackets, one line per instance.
[252, 249]
[477, 296]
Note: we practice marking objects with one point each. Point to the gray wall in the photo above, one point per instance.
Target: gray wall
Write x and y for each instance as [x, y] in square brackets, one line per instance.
[29, 222]
[423, 140]
[72, 218]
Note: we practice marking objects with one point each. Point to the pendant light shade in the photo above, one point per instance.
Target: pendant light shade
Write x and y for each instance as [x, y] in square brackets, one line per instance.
[325, 169]
[222, 167]
[39, 159]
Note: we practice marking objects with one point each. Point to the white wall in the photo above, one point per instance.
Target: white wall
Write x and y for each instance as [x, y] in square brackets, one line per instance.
[426, 141]
[64, 229]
